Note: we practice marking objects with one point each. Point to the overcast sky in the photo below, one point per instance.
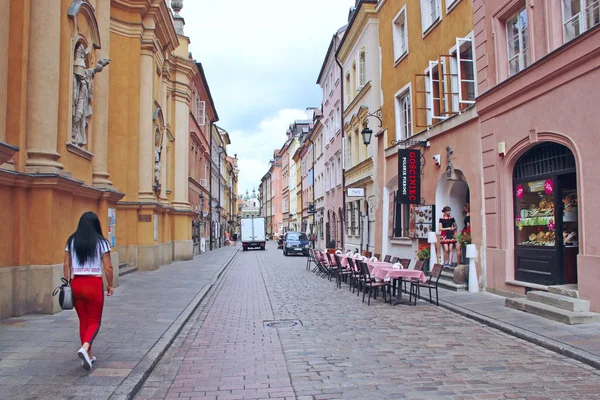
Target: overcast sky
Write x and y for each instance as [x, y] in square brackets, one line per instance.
[261, 59]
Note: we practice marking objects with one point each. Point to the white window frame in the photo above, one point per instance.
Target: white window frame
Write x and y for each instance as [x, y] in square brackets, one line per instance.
[520, 55]
[400, 35]
[403, 130]
[586, 8]
[429, 82]
[200, 111]
[428, 19]
[459, 42]
[450, 4]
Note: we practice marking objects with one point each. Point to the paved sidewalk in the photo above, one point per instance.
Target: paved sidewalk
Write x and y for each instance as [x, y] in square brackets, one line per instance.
[581, 342]
[38, 352]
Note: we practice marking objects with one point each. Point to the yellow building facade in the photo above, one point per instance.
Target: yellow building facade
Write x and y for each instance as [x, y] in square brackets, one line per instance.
[428, 80]
[64, 151]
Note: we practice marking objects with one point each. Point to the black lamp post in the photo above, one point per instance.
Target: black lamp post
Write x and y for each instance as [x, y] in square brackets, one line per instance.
[367, 133]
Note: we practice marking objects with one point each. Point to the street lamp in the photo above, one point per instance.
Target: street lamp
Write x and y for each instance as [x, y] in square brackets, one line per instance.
[367, 133]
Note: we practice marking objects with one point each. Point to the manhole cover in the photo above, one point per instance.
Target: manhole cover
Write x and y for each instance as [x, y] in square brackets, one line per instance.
[283, 323]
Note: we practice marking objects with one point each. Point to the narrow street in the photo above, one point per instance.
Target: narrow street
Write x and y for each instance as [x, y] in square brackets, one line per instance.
[344, 348]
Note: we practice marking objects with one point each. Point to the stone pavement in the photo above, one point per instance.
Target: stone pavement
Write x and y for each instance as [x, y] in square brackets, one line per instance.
[38, 352]
[581, 342]
[346, 349]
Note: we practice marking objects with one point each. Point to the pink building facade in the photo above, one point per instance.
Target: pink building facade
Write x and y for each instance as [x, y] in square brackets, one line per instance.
[330, 80]
[538, 74]
[202, 115]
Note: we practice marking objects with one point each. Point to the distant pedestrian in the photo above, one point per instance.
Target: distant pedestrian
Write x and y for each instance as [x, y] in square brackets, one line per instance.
[86, 255]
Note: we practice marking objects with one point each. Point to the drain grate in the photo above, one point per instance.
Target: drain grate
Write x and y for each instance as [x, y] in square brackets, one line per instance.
[282, 323]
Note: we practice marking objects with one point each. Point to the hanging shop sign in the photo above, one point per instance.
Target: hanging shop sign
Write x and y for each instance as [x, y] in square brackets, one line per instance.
[409, 176]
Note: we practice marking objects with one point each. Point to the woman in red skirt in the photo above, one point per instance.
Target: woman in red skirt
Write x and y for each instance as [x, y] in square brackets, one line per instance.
[447, 228]
[87, 254]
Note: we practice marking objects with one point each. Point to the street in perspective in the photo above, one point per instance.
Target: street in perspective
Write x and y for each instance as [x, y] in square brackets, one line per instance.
[307, 200]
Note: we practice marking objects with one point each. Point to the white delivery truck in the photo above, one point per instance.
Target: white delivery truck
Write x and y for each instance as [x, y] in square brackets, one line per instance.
[253, 233]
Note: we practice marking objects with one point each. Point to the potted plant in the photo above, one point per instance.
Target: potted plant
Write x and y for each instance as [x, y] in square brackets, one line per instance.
[423, 254]
[464, 238]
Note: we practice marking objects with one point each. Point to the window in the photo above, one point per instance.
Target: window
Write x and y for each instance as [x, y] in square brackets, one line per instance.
[430, 13]
[403, 115]
[354, 80]
[362, 64]
[337, 119]
[399, 217]
[339, 171]
[200, 112]
[517, 37]
[579, 16]
[352, 219]
[400, 35]
[450, 4]
[348, 88]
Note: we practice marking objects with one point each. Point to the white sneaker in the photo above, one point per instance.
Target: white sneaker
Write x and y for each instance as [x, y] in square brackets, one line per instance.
[85, 359]
[93, 361]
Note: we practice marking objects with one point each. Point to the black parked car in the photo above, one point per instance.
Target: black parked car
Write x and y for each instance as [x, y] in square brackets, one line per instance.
[295, 243]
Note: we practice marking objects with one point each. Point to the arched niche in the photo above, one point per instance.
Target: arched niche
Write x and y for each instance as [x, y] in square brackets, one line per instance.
[84, 19]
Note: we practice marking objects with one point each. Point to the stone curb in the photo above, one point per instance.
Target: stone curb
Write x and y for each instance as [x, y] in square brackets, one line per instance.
[136, 378]
[547, 343]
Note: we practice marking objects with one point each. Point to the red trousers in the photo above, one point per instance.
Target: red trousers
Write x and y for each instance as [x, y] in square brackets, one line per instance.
[88, 299]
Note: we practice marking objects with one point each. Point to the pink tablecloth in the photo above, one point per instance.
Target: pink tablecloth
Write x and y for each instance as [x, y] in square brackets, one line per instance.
[388, 273]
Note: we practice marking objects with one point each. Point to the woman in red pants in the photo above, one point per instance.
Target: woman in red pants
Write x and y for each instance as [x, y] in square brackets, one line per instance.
[87, 254]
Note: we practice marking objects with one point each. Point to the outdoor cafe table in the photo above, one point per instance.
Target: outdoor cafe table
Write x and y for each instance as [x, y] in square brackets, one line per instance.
[386, 271]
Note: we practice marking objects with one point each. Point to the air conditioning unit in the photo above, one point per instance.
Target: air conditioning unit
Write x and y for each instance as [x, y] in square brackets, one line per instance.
[204, 182]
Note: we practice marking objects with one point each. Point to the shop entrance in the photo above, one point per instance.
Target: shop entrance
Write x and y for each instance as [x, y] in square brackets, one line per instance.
[454, 193]
[546, 219]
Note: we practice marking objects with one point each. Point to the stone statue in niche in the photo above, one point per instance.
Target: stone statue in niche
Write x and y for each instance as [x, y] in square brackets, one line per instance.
[450, 174]
[83, 92]
[157, 154]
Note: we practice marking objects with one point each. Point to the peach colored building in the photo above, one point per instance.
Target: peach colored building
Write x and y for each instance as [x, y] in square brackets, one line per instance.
[538, 78]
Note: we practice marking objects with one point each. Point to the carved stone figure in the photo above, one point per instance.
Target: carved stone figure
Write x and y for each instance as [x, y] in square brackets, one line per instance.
[157, 154]
[83, 93]
[450, 175]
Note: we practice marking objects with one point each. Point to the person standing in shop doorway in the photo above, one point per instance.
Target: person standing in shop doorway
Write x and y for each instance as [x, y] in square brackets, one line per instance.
[447, 228]
[87, 254]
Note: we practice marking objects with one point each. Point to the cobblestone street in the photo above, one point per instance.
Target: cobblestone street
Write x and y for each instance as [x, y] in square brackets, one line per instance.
[346, 349]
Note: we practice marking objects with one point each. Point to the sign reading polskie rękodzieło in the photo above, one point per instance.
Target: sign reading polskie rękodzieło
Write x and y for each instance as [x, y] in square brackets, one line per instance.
[409, 176]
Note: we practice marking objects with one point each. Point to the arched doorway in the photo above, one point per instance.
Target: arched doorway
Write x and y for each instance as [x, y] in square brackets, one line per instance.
[546, 220]
[454, 193]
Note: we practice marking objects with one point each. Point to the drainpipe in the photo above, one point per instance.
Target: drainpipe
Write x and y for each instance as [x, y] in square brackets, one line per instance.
[343, 136]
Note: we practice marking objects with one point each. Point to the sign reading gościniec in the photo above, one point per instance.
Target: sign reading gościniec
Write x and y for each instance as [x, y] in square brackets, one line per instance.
[409, 176]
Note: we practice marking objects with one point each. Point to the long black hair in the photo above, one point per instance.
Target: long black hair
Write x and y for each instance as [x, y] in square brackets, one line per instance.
[86, 238]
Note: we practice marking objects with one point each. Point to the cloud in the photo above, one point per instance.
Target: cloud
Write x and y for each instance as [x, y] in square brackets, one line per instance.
[257, 145]
[262, 59]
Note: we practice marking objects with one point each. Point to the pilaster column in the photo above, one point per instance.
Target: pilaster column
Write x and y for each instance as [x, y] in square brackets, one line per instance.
[4, 25]
[100, 117]
[146, 135]
[181, 158]
[43, 88]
